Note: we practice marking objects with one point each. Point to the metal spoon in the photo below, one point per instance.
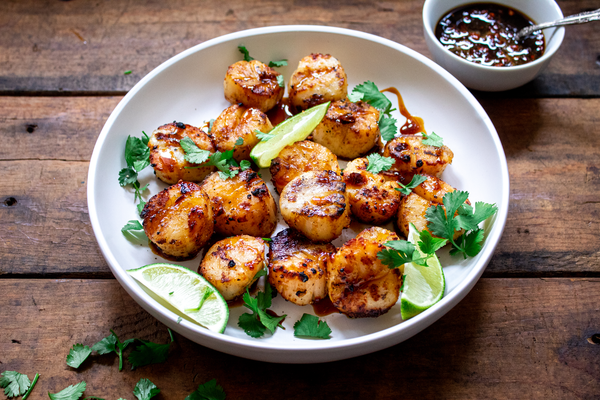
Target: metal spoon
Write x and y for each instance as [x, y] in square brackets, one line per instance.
[581, 18]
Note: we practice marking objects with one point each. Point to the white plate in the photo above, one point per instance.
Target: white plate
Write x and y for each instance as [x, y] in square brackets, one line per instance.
[189, 88]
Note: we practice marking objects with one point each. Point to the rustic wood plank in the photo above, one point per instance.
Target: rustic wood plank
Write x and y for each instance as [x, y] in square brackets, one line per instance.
[489, 346]
[83, 47]
[552, 149]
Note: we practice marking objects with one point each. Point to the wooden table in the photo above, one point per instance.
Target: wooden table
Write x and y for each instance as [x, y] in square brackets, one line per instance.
[529, 329]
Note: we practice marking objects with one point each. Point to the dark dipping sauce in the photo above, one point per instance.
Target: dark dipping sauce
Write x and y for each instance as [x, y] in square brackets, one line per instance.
[485, 34]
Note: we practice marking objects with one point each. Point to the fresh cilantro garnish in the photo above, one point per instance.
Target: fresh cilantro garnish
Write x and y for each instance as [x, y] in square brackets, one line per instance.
[280, 81]
[267, 239]
[278, 63]
[459, 215]
[140, 207]
[127, 72]
[259, 321]
[431, 139]
[414, 182]
[245, 164]
[310, 326]
[112, 343]
[72, 392]
[77, 355]
[133, 229]
[210, 124]
[16, 384]
[193, 153]
[137, 157]
[149, 353]
[263, 136]
[369, 93]
[208, 391]
[245, 52]
[378, 163]
[403, 282]
[400, 252]
[145, 390]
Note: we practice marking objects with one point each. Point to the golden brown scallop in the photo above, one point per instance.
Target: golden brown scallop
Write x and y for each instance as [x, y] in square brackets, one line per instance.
[242, 204]
[318, 79]
[253, 84]
[237, 122]
[179, 219]
[298, 267]
[298, 158]
[413, 157]
[231, 264]
[359, 284]
[167, 156]
[348, 129]
[316, 204]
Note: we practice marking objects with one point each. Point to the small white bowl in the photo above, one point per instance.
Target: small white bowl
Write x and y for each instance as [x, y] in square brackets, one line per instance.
[483, 77]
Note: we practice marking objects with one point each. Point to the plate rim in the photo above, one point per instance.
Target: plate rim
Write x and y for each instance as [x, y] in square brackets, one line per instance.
[273, 352]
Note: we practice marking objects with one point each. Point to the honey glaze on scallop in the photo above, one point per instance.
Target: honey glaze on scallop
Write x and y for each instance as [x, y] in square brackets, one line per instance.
[413, 124]
[280, 112]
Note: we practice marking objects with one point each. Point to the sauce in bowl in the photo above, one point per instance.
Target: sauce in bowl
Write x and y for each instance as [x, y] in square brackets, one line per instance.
[485, 34]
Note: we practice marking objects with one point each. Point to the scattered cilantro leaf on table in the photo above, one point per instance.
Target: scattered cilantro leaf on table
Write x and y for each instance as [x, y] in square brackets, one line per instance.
[378, 163]
[112, 344]
[431, 139]
[14, 383]
[310, 326]
[145, 390]
[458, 215]
[414, 182]
[72, 392]
[77, 355]
[208, 391]
[370, 93]
[149, 353]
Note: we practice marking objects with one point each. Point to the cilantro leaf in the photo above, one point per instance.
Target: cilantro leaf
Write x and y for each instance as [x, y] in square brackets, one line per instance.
[280, 81]
[391, 258]
[251, 325]
[208, 391]
[429, 244]
[263, 136]
[127, 176]
[140, 207]
[193, 153]
[14, 383]
[278, 63]
[378, 163]
[245, 52]
[245, 164]
[415, 181]
[134, 231]
[145, 390]
[254, 324]
[72, 392]
[310, 326]
[149, 353]
[369, 93]
[112, 344]
[432, 139]
[77, 355]
[387, 128]
[137, 153]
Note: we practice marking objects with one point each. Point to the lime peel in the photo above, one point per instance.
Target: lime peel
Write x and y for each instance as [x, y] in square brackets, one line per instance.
[423, 286]
[292, 130]
[184, 292]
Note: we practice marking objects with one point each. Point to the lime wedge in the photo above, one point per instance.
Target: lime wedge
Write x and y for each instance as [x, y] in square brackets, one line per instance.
[423, 286]
[186, 293]
[289, 131]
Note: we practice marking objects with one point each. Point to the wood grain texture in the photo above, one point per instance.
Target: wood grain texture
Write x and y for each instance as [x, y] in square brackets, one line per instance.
[85, 47]
[552, 148]
[509, 338]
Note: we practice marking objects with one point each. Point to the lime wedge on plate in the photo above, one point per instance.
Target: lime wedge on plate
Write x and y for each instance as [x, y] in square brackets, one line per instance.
[289, 131]
[186, 293]
[423, 286]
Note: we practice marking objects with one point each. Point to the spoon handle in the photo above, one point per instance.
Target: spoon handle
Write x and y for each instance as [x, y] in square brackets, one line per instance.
[581, 18]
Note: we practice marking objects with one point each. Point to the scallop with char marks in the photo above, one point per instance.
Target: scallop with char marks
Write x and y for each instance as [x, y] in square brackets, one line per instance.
[253, 84]
[413, 157]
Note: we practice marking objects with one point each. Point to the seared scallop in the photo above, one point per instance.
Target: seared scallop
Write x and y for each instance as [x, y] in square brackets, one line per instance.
[413, 209]
[298, 267]
[237, 122]
[231, 264]
[348, 129]
[179, 220]
[253, 84]
[167, 155]
[318, 79]
[434, 189]
[301, 157]
[316, 204]
[372, 199]
[359, 284]
[242, 204]
[413, 157]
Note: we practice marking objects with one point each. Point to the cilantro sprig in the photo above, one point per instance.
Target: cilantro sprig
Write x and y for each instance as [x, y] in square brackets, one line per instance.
[310, 326]
[224, 162]
[257, 323]
[432, 139]
[208, 391]
[111, 344]
[145, 389]
[456, 215]
[399, 252]
[378, 163]
[272, 64]
[369, 93]
[150, 353]
[137, 157]
[17, 384]
[415, 181]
